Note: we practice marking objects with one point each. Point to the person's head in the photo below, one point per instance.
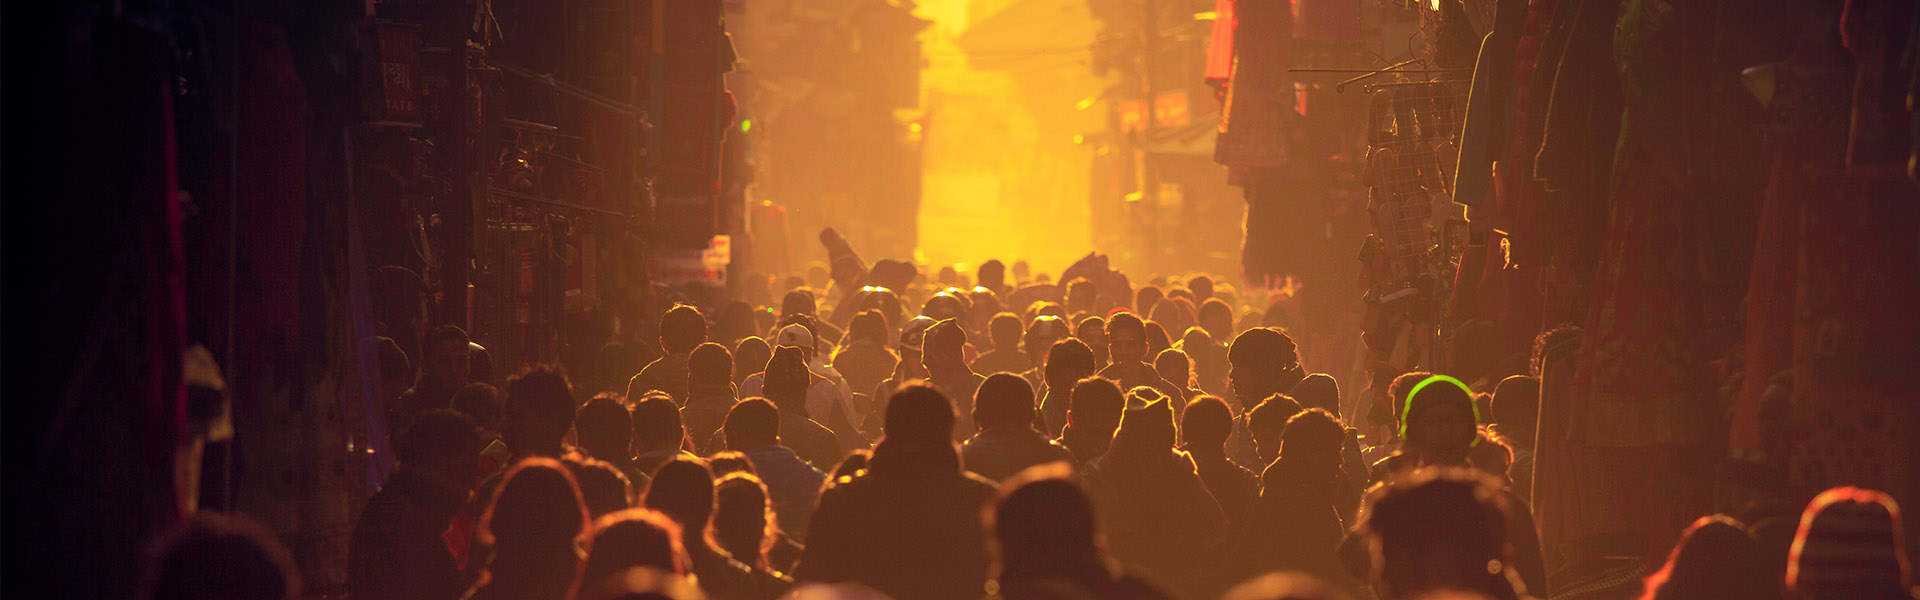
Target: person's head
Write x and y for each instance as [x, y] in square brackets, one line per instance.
[1850, 545]
[1126, 339]
[444, 444]
[1005, 329]
[945, 346]
[1716, 558]
[396, 370]
[1267, 422]
[752, 423]
[682, 489]
[710, 365]
[992, 275]
[682, 328]
[1261, 362]
[797, 302]
[1206, 423]
[445, 363]
[1145, 297]
[603, 488]
[869, 326]
[944, 305]
[480, 402]
[1004, 400]
[1290, 586]
[1146, 425]
[635, 537]
[1312, 439]
[1043, 526]
[1397, 393]
[222, 557]
[1081, 296]
[539, 410]
[919, 414]
[1318, 390]
[750, 357]
[1095, 407]
[787, 379]
[537, 508]
[1172, 365]
[730, 461]
[1041, 336]
[1439, 529]
[1516, 408]
[1093, 332]
[1201, 286]
[1176, 311]
[656, 424]
[1068, 361]
[604, 428]
[1157, 339]
[743, 523]
[799, 334]
[479, 363]
[1216, 317]
[1438, 423]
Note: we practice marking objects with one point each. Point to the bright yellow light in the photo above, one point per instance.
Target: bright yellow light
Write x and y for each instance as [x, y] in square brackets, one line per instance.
[1206, 16]
[1085, 103]
[913, 128]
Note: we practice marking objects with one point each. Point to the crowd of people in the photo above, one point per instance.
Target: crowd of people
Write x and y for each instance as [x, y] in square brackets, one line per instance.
[1160, 443]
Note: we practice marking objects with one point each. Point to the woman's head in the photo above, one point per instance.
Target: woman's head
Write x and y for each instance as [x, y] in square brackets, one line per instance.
[1716, 558]
[742, 520]
[682, 489]
[635, 537]
[538, 505]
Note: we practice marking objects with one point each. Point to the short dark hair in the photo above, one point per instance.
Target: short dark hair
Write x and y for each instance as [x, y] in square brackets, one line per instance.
[1003, 399]
[682, 328]
[1098, 397]
[541, 399]
[921, 413]
[1206, 421]
[444, 334]
[223, 556]
[1069, 358]
[1005, 329]
[656, 421]
[870, 325]
[438, 435]
[481, 401]
[1129, 322]
[787, 379]
[603, 488]
[730, 461]
[1271, 415]
[394, 364]
[1174, 358]
[751, 421]
[603, 423]
[1313, 433]
[710, 363]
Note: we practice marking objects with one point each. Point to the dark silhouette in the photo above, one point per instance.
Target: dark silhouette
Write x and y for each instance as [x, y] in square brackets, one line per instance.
[1145, 297]
[1042, 333]
[1209, 360]
[1173, 365]
[864, 359]
[1007, 441]
[538, 412]
[1068, 362]
[1716, 558]
[534, 527]
[744, 524]
[1440, 530]
[683, 490]
[1205, 426]
[787, 383]
[945, 360]
[635, 537]
[682, 329]
[1127, 349]
[1262, 362]
[1092, 331]
[1005, 330]
[750, 358]
[710, 394]
[223, 557]
[444, 366]
[1093, 414]
[753, 429]
[1849, 546]
[910, 368]
[1516, 408]
[658, 435]
[1047, 542]
[397, 550]
[1318, 390]
[1267, 422]
[730, 461]
[603, 488]
[604, 429]
[1294, 525]
[1157, 513]
[909, 525]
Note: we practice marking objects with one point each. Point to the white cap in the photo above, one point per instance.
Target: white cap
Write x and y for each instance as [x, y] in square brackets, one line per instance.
[795, 335]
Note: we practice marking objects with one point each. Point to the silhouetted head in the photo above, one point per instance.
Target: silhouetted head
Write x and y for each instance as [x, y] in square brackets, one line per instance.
[1068, 361]
[446, 364]
[635, 537]
[750, 357]
[480, 402]
[869, 326]
[537, 508]
[1850, 545]
[945, 346]
[656, 424]
[222, 557]
[1157, 340]
[1217, 318]
[603, 488]
[1043, 526]
[1206, 423]
[1081, 296]
[709, 365]
[539, 410]
[1172, 365]
[1312, 439]
[730, 461]
[1439, 422]
[797, 302]
[752, 423]
[1093, 332]
[919, 414]
[1262, 362]
[992, 275]
[1318, 390]
[682, 328]
[1716, 558]
[1516, 408]
[1267, 422]
[1042, 334]
[1004, 400]
[1005, 329]
[743, 523]
[604, 428]
[787, 379]
[1439, 529]
[1095, 408]
[682, 489]
[1146, 425]
[1126, 339]
[1145, 297]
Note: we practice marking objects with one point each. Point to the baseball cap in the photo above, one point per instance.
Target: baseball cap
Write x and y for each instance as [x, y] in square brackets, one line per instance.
[795, 335]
